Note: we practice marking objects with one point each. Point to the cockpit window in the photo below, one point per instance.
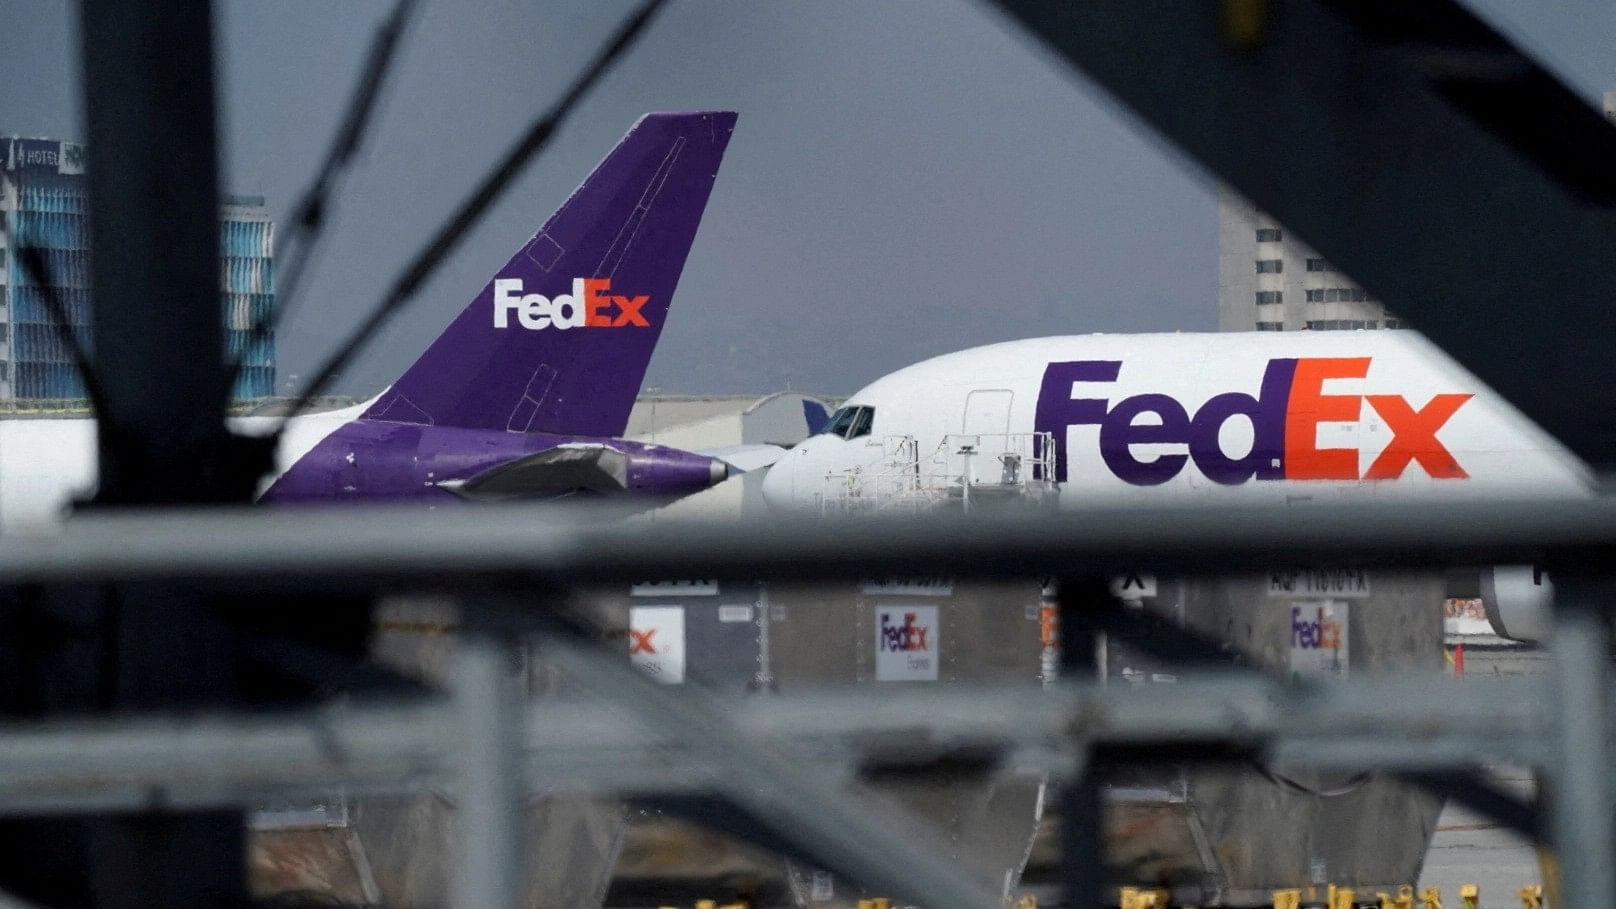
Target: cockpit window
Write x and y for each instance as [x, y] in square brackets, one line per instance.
[863, 421]
[839, 422]
[851, 422]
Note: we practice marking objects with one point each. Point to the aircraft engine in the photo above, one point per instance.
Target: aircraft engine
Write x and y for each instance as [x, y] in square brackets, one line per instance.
[1518, 599]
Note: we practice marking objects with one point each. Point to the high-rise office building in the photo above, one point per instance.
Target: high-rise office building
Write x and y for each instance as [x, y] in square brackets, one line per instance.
[43, 203]
[1269, 280]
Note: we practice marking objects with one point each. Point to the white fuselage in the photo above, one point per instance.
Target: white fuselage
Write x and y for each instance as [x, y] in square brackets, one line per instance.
[47, 464]
[1183, 419]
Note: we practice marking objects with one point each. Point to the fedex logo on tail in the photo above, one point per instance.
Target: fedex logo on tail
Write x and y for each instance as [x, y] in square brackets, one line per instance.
[1285, 415]
[589, 306]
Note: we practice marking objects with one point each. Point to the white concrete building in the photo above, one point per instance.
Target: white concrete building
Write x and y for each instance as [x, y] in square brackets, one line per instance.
[1269, 280]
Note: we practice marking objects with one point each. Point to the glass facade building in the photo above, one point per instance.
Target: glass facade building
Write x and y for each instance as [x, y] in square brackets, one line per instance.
[43, 203]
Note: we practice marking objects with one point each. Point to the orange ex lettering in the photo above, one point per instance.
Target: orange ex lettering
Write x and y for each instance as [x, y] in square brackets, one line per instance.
[1414, 437]
[1309, 407]
[640, 641]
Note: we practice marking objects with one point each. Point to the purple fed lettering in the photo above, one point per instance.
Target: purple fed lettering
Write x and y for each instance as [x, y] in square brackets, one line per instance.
[1058, 410]
[1119, 432]
[1121, 429]
[1266, 411]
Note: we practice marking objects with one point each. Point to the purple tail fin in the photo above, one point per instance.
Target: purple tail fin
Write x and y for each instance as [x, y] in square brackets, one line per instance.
[560, 339]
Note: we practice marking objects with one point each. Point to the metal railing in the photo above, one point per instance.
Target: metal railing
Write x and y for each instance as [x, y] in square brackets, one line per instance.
[632, 735]
[986, 467]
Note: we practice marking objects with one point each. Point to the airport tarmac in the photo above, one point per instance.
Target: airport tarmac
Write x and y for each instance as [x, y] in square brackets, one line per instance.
[1468, 848]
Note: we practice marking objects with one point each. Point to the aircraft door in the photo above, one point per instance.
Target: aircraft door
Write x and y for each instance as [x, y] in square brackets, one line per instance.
[987, 411]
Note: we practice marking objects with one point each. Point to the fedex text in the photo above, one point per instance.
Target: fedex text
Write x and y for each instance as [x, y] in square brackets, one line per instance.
[588, 306]
[1320, 631]
[1285, 414]
[910, 637]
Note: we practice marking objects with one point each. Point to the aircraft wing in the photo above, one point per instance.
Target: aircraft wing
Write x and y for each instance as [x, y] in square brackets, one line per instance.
[745, 458]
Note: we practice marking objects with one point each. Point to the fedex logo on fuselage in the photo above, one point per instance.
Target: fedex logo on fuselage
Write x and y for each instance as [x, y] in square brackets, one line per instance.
[589, 306]
[1285, 415]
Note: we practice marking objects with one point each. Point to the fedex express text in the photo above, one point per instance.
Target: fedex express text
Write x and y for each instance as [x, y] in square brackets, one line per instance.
[1284, 413]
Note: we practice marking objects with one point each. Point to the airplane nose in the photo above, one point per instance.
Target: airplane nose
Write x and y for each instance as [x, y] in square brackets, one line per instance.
[779, 484]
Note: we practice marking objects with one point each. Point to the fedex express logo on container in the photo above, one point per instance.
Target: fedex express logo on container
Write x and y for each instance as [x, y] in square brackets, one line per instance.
[908, 637]
[589, 306]
[1284, 414]
[1320, 631]
[906, 643]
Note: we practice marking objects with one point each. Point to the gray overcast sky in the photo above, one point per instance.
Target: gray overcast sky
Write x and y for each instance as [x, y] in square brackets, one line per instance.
[907, 178]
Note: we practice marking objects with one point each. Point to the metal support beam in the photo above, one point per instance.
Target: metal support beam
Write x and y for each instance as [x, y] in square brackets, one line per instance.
[356, 548]
[578, 744]
[488, 800]
[1580, 779]
[149, 111]
[1082, 826]
[154, 239]
[1413, 146]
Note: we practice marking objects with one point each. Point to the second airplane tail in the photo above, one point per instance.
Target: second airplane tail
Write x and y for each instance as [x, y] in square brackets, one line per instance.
[559, 340]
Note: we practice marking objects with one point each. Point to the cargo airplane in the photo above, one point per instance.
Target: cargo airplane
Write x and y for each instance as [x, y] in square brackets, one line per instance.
[528, 390]
[1282, 418]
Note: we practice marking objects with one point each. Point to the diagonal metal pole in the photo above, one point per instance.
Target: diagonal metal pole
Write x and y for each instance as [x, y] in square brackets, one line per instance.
[471, 210]
[880, 850]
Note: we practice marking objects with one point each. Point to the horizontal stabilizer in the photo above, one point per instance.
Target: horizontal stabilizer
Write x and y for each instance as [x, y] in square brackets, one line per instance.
[568, 469]
[596, 468]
